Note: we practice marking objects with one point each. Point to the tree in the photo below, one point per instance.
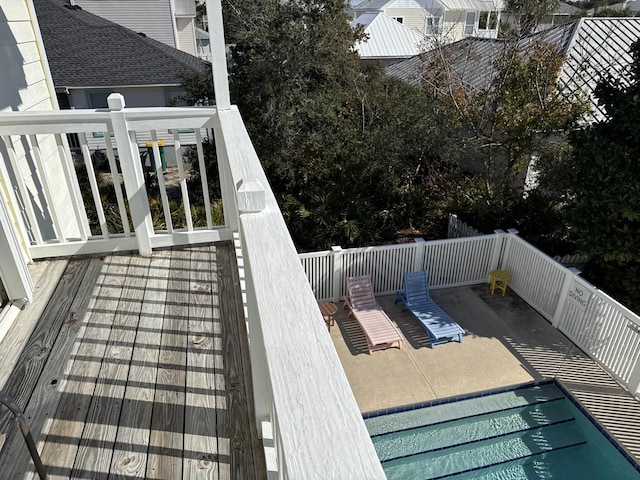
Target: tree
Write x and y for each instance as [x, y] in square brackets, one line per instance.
[508, 113]
[345, 148]
[605, 185]
[529, 13]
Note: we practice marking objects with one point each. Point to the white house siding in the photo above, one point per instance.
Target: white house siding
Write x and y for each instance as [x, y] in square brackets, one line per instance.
[186, 35]
[134, 98]
[26, 86]
[453, 25]
[411, 17]
[151, 17]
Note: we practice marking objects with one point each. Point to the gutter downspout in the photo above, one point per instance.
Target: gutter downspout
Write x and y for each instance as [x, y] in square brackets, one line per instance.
[174, 24]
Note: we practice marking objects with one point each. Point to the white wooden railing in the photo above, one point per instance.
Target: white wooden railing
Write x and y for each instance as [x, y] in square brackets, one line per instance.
[606, 330]
[308, 417]
[305, 410]
[55, 224]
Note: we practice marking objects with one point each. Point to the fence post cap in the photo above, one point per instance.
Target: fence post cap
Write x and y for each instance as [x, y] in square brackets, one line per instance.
[115, 101]
[575, 270]
[251, 196]
[336, 248]
[499, 230]
[513, 231]
[419, 240]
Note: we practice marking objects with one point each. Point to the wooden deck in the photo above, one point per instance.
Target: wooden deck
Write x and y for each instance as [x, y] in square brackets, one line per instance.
[133, 367]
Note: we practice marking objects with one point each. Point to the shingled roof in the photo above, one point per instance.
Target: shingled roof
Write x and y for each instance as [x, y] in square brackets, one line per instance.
[85, 50]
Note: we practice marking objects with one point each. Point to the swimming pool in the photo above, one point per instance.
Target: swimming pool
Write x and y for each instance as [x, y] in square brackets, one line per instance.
[533, 431]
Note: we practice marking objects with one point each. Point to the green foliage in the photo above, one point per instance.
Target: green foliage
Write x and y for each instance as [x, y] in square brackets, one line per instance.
[198, 90]
[530, 12]
[605, 180]
[613, 12]
[605, 211]
[516, 116]
[347, 150]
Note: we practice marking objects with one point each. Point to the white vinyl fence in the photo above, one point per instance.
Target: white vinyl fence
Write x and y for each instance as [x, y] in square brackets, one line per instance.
[606, 330]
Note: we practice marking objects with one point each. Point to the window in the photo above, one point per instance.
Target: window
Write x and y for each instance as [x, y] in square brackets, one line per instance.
[398, 19]
[470, 23]
[488, 21]
[172, 97]
[432, 25]
[98, 99]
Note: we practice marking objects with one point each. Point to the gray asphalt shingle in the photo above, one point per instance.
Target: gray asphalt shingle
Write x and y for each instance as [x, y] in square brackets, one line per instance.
[85, 50]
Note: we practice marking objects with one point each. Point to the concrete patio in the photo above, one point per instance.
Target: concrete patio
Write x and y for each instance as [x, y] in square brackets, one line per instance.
[506, 343]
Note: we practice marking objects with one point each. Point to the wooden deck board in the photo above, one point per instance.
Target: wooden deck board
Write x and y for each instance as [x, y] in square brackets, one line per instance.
[35, 354]
[166, 441]
[149, 368]
[94, 455]
[46, 395]
[65, 433]
[132, 441]
[20, 331]
[201, 454]
[244, 456]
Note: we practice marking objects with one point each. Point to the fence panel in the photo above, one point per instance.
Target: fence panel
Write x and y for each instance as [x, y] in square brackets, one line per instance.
[459, 262]
[606, 330]
[536, 278]
[385, 264]
[319, 267]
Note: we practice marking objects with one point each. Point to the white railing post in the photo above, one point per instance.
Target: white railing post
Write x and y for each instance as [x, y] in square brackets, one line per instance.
[132, 174]
[218, 54]
[570, 274]
[15, 274]
[336, 257]
[419, 261]
[511, 232]
[634, 380]
[497, 248]
[229, 201]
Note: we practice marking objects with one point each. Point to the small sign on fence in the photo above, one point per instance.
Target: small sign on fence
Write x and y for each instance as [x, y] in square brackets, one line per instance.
[579, 296]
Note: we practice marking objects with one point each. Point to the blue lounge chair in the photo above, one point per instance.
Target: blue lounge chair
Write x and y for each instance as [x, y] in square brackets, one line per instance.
[440, 326]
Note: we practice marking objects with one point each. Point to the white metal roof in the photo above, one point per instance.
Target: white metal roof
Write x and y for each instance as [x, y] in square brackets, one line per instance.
[474, 5]
[464, 5]
[599, 47]
[388, 38]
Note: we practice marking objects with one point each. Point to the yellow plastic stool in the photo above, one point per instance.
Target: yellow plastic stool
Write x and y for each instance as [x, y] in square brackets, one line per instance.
[499, 280]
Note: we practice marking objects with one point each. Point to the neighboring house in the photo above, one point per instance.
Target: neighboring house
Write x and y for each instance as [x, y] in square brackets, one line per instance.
[91, 57]
[388, 41]
[447, 20]
[171, 22]
[594, 48]
[563, 14]
[630, 6]
[26, 86]
[203, 48]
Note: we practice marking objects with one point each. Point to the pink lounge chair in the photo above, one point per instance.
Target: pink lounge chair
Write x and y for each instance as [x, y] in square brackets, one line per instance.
[375, 323]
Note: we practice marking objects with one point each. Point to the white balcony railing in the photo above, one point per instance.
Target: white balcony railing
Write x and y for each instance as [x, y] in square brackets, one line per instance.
[53, 224]
[606, 330]
[305, 411]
